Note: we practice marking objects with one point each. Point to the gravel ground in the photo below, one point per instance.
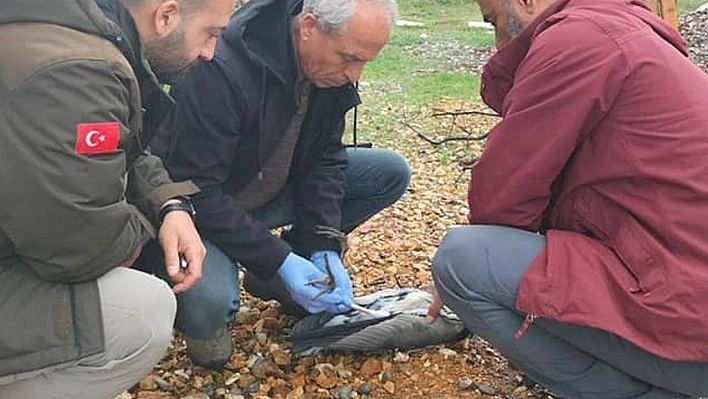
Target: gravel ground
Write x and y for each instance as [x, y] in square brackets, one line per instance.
[694, 28]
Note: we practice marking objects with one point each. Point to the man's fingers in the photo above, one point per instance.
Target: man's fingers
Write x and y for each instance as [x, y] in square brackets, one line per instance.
[169, 247]
[434, 308]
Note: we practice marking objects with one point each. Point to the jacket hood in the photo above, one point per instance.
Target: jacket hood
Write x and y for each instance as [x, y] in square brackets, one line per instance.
[664, 30]
[258, 28]
[501, 68]
[81, 15]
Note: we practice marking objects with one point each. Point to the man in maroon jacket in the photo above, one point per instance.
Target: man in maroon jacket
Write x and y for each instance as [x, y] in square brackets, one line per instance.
[586, 261]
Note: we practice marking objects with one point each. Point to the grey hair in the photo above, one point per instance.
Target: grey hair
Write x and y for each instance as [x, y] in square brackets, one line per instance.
[333, 15]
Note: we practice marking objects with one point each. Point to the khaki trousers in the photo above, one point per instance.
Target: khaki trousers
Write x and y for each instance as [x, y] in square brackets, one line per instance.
[138, 312]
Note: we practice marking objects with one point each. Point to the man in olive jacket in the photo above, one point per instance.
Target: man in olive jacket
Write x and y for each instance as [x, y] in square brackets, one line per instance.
[80, 197]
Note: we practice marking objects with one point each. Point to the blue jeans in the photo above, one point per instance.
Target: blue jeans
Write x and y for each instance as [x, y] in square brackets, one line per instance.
[478, 269]
[375, 178]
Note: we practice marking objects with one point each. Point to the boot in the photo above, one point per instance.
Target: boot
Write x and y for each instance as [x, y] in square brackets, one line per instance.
[212, 353]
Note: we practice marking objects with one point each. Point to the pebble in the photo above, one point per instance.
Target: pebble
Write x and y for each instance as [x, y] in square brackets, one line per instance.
[447, 352]
[163, 384]
[387, 376]
[401, 357]
[465, 383]
[486, 389]
[343, 392]
[364, 388]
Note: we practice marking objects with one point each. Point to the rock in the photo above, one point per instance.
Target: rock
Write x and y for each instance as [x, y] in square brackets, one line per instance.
[387, 376]
[163, 384]
[232, 379]
[254, 387]
[154, 395]
[465, 383]
[344, 374]
[401, 357]
[296, 393]
[326, 378]
[390, 387]
[280, 357]
[343, 392]
[246, 380]
[196, 396]
[447, 352]
[364, 388]
[124, 395]
[486, 389]
[265, 368]
[148, 384]
[371, 367]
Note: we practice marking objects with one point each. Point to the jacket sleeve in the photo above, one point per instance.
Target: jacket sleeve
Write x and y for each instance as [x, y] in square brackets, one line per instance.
[149, 186]
[318, 197]
[66, 213]
[206, 128]
[563, 88]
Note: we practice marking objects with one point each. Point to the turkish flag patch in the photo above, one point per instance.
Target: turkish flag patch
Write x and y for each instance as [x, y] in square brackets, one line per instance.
[97, 138]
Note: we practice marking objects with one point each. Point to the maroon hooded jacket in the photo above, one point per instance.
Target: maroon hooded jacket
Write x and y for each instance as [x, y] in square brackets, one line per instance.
[603, 147]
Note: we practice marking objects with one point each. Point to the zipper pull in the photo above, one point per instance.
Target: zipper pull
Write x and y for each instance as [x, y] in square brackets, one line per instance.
[525, 325]
[260, 175]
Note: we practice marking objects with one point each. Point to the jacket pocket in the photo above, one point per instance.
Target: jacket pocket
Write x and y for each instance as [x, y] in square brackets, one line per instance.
[613, 226]
[638, 251]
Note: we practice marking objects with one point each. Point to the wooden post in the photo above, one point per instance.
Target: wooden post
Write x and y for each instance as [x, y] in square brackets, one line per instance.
[666, 9]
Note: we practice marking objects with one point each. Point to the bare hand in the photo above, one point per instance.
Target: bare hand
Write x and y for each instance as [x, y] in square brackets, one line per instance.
[178, 236]
[435, 307]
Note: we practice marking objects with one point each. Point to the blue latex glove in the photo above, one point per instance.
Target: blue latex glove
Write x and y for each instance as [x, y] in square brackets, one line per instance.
[296, 272]
[341, 277]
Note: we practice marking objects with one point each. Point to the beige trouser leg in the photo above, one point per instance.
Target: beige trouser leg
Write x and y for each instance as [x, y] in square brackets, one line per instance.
[138, 312]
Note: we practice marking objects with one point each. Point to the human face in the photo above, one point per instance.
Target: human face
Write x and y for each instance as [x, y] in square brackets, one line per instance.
[336, 58]
[510, 17]
[192, 37]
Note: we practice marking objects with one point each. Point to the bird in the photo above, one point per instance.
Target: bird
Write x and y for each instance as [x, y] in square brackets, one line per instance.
[391, 318]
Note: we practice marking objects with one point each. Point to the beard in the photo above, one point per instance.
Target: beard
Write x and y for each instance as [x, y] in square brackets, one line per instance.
[168, 56]
[513, 25]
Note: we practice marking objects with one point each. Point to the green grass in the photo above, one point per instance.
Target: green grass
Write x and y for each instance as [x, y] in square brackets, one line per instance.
[402, 80]
[685, 6]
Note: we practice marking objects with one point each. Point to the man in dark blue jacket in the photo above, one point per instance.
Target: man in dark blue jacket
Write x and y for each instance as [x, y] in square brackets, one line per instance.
[259, 130]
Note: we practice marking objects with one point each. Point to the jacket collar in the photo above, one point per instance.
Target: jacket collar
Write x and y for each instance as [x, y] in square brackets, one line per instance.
[259, 28]
[498, 73]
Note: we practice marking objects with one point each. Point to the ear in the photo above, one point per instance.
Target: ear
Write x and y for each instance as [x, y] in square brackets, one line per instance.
[532, 7]
[166, 17]
[308, 26]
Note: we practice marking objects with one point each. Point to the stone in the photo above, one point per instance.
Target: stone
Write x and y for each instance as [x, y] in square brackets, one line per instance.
[364, 388]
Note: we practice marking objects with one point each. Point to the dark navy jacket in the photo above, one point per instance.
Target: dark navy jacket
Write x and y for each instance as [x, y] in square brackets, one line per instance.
[229, 117]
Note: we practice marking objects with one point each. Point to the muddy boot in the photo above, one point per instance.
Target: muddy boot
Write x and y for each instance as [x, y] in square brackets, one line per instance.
[274, 289]
[212, 353]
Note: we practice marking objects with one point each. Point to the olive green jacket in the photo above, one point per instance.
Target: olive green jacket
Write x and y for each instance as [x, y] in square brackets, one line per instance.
[67, 218]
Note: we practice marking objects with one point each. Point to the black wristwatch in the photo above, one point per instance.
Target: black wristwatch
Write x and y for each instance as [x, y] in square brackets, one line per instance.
[184, 204]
